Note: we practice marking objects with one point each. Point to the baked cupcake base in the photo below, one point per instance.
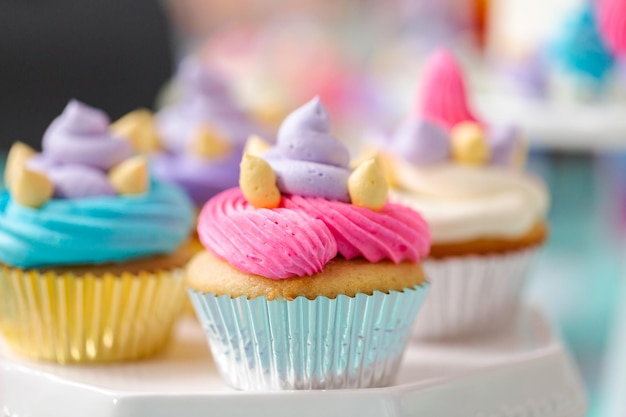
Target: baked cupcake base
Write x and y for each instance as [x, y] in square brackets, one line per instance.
[275, 340]
[95, 313]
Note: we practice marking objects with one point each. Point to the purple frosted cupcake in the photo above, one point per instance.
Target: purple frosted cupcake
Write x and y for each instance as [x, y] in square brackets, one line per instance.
[202, 136]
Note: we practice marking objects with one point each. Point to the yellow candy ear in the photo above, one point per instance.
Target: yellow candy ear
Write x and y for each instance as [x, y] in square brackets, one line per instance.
[469, 144]
[367, 186]
[31, 188]
[384, 162]
[138, 128]
[16, 160]
[209, 143]
[256, 145]
[130, 176]
[257, 181]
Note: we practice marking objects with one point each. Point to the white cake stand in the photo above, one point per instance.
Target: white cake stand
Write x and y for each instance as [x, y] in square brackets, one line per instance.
[525, 372]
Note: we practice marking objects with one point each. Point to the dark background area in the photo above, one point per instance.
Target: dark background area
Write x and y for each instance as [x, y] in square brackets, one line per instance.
[113, 54]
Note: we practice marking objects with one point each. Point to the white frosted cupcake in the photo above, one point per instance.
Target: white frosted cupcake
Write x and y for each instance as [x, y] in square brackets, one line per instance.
[486, 216]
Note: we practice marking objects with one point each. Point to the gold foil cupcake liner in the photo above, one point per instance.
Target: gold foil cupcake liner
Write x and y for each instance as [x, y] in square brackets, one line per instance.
[71, 319]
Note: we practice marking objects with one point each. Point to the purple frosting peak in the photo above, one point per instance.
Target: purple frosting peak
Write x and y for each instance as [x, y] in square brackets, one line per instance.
[307, 160]
[80, 135]
[422, 142]
[78, 150]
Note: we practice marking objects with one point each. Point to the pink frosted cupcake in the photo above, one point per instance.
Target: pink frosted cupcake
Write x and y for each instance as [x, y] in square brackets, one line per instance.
[310, 278]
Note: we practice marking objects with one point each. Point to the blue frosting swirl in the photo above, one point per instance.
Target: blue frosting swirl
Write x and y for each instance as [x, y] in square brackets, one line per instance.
[94, 230]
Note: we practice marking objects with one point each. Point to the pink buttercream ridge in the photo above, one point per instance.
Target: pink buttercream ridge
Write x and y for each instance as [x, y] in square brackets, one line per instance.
[612, 25]
[443, 97]
[304, 234]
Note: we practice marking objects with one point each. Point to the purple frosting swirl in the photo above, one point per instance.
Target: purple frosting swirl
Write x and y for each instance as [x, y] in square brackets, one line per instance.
[80, 135]
[206, 101]
[307, 160]
[78, 150]
[421, 142]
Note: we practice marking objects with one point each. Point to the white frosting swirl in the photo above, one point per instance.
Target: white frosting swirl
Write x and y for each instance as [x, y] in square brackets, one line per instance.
[463, 202]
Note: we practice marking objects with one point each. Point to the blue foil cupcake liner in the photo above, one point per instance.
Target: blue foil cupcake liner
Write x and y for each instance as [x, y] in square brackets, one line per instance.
[345, 342]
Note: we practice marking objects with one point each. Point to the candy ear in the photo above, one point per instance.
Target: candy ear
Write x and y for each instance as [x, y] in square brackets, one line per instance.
[16, 160]
[469, 144]
[256, 145]
[257, 181]
[31, 188]
[209, 143]
[139, 129]
[367, 186]
[130, 176]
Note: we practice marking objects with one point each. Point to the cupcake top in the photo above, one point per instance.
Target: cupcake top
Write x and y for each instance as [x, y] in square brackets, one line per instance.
[580, 47]
[463, 175]
[86, 199]
[299, 206]
[202, 136]
[612, 25]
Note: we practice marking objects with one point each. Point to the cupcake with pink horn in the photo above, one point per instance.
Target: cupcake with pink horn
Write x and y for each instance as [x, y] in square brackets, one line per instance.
[486, 215]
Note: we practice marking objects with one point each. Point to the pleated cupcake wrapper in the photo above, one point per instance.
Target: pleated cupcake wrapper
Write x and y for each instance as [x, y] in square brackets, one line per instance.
[472, 295]
[346, 342]
[68, 318]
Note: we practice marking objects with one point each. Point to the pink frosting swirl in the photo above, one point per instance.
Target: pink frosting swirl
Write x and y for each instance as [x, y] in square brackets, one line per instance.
[304, 234]
[612, 25]
[444, 98]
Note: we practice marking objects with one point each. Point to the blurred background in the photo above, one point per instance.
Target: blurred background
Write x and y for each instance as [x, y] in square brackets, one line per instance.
[547, 65]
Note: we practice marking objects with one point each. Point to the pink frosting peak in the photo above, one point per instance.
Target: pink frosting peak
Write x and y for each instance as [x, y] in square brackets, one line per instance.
[612, 25]
[304, 234]
[444, 98]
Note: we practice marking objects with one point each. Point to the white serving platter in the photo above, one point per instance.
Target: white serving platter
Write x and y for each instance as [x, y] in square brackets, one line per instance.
[523, 372]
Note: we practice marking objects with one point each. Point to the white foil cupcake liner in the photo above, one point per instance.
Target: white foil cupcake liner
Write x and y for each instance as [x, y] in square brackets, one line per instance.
[345, 342]
[472, 295]
[70, 318]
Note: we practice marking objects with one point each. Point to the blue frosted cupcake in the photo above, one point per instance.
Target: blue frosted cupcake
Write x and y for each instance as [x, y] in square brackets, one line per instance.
[91, 249]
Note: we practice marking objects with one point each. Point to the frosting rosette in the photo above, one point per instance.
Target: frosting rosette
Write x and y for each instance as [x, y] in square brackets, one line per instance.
[300, 206]
[302, 235]
[86, 199]
[202, 135]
